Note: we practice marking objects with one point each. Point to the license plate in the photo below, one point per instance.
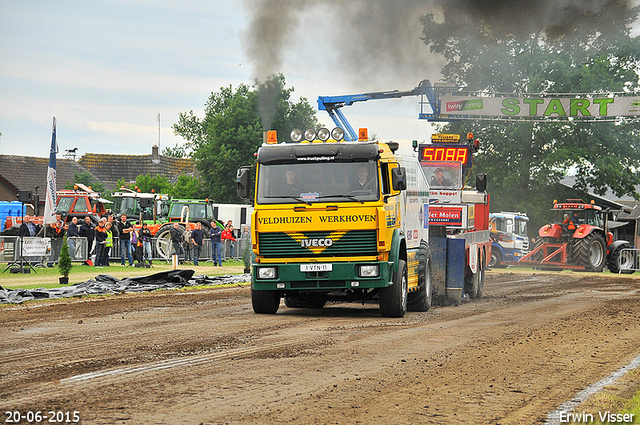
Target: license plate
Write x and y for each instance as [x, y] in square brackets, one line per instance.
[315, 267]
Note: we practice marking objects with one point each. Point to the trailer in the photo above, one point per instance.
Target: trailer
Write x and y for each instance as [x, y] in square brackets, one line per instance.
[458, 217]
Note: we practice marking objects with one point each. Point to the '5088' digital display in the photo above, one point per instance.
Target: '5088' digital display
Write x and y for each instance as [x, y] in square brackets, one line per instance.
[449, 153]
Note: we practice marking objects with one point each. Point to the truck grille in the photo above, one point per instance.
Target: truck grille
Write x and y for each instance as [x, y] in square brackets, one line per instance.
[352, 242]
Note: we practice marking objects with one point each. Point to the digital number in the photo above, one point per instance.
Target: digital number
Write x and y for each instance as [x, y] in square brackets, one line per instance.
[446, 154]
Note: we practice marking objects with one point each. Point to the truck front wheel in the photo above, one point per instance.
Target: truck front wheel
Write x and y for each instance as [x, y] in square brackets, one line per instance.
[393, 299]
[420, 300]
[265, 302]
[496, 259]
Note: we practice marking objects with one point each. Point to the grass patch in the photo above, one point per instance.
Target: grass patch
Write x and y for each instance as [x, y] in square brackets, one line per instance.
[48, 277]
[618, 399]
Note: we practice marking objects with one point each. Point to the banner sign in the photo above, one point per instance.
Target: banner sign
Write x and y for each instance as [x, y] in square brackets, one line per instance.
[50, 200]
[448, 216]
[36, 247]
[581, 107]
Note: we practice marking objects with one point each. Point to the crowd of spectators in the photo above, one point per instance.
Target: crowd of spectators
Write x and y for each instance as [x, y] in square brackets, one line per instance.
[132, 243]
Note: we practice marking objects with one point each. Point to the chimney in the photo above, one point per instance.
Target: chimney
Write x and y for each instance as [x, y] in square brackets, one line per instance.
[154, 152]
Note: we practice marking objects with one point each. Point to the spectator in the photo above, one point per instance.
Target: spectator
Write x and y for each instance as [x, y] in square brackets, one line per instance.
[125, 228]
[215, 233]
[108, 245]
[144, 236]
[197, 239]
[100, 238]
[86, 230]
[28, 228]
[245, 233]
[73, 232]
[176, 239]
[186, 244]
[227, 238]
[56, 233]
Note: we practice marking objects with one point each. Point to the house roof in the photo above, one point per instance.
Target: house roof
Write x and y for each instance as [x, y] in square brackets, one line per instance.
[626, 203]
[27, 172]
[109, 168]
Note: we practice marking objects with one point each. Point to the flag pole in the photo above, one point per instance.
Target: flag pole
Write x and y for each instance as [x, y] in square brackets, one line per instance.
[50, 197]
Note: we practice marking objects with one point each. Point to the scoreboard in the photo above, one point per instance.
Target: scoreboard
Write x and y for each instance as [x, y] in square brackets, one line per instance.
[446, 153]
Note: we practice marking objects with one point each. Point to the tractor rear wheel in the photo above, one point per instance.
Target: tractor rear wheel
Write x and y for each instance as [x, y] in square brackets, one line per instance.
[163, 242]
[590, 252]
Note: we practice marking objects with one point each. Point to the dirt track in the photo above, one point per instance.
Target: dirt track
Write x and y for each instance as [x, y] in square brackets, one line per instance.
[195, 357]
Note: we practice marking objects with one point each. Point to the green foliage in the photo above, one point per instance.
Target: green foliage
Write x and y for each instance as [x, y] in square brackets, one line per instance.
[187, 187]
[524, 161]
[64, 263]
[86, 178]
[231, 131]
[176, 152]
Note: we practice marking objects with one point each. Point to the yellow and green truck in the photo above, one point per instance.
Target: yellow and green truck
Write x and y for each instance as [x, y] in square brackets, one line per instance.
[337, 220]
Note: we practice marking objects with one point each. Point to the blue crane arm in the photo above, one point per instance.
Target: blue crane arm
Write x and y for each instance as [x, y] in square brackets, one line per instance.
[332, 104]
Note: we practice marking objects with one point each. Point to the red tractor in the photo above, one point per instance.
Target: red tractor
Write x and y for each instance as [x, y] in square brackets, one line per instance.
[579, 238]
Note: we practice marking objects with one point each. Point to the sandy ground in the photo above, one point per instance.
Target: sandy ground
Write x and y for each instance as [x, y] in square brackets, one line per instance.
[192, 357]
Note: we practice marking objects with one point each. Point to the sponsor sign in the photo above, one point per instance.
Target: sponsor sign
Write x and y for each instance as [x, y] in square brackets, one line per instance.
[580, 107]
[448, 216]
[35, 247]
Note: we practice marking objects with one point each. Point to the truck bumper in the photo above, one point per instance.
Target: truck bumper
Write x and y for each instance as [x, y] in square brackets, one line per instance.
[342, 276]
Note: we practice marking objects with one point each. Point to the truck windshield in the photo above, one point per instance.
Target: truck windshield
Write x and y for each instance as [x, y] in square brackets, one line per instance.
[195, 210]
[125, 206]
[521, 227]
[591, 217]
[64, 204]
[318, 182]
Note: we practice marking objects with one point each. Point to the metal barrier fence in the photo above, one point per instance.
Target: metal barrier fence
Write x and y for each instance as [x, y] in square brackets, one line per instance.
[47, 250]
[629, 259]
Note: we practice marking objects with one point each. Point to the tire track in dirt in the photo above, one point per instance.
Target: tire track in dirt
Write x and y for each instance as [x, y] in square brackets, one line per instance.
[511, 357]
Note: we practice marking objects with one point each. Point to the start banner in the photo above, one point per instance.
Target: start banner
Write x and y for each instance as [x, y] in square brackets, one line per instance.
[580, 107]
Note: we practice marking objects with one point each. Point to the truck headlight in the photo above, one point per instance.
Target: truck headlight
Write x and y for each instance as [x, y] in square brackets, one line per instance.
[310, 135]
[337, 134]
[296, 135]
[324, 134]
[267, 273]
[369, 270]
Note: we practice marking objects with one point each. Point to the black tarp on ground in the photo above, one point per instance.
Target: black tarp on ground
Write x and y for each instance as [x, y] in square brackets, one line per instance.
[106, 284]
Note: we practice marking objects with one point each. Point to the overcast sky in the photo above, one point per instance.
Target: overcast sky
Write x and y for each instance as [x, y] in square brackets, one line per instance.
[105, 69]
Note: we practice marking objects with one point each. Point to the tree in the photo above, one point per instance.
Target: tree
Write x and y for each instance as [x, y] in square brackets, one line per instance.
[176, 152]
[231, 130]
[188, 187]
[525, 160]
[86, 178]
[64, 262]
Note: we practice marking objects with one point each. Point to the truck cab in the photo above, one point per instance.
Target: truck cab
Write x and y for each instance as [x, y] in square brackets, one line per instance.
[337, 221]
[509, 237]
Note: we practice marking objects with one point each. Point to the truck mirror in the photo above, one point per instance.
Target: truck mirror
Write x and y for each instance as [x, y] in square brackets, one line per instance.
[243, 181]
[481, 182]
[399, 178]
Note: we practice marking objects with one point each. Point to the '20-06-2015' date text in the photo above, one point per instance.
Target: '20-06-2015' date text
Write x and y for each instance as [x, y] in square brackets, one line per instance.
[47, 416]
